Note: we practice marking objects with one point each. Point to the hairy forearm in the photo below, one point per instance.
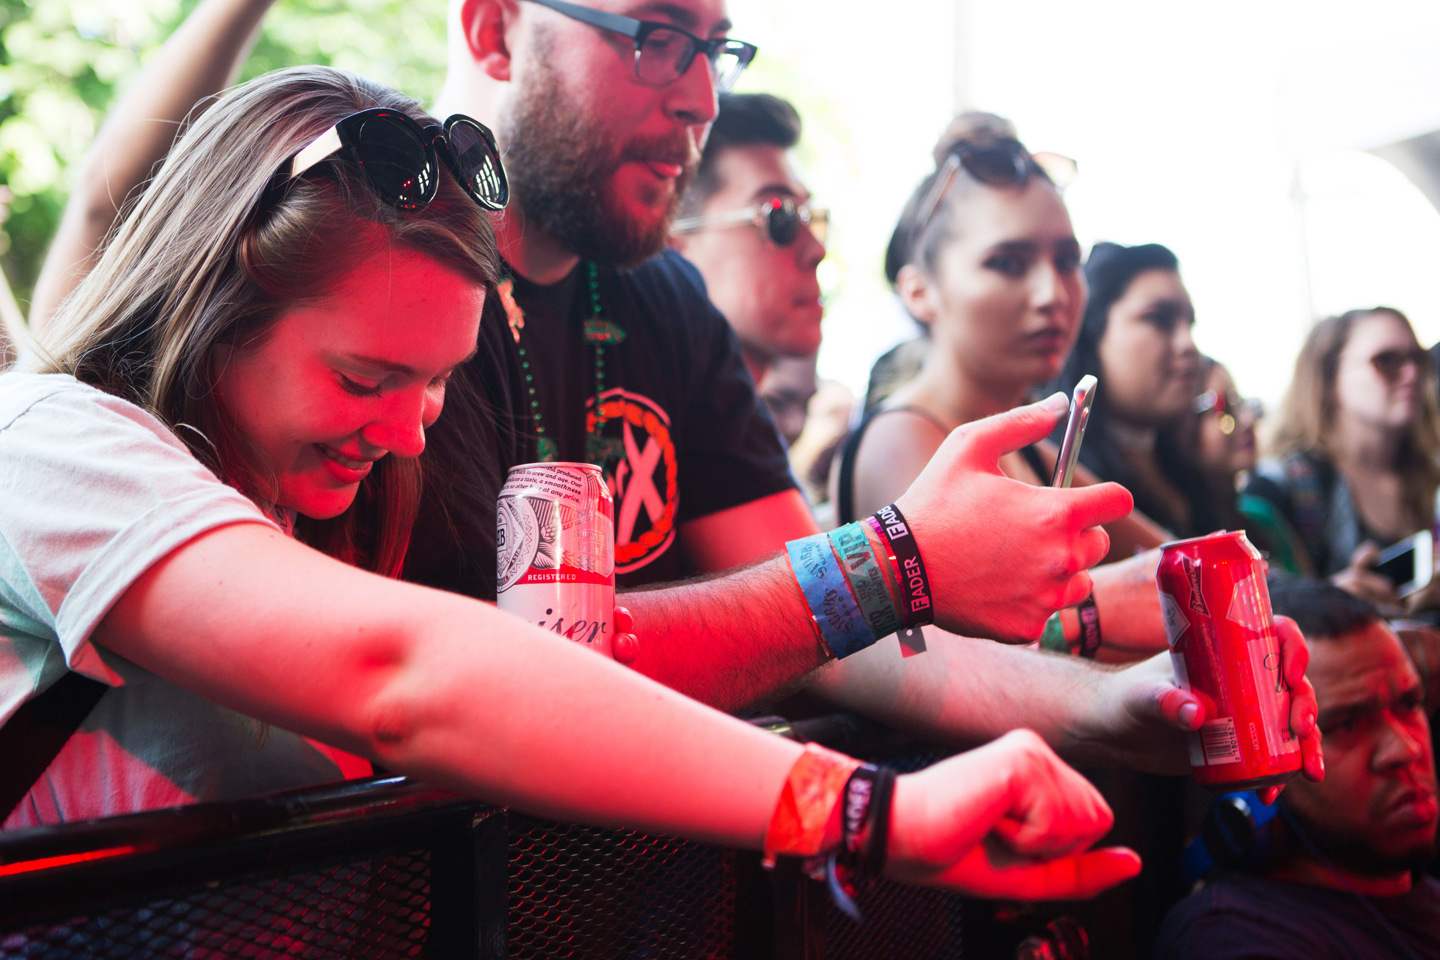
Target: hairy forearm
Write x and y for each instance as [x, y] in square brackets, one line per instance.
[201, 58]
[964, 691]
[728, 640]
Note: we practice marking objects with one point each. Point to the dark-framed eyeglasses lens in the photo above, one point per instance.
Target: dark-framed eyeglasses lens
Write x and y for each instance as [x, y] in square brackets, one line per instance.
[664, 55]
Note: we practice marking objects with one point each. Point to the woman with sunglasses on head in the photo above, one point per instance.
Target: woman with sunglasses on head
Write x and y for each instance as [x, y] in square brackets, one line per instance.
[985, 259]
[251, 367]
[1354, 461]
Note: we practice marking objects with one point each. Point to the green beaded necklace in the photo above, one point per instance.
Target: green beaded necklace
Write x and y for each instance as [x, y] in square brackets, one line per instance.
[599, 331]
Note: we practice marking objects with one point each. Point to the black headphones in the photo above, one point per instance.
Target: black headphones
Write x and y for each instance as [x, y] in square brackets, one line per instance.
[1238, 833]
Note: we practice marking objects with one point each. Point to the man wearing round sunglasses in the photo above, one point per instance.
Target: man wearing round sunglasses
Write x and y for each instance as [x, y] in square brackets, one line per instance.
[747, 224]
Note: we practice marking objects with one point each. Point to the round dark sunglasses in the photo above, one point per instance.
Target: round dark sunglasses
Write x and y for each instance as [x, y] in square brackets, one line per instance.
[780, 218]
[400, 158]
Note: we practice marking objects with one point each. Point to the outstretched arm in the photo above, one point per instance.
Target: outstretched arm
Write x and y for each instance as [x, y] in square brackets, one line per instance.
[1002, 555]
[455, 691]
[201, 58]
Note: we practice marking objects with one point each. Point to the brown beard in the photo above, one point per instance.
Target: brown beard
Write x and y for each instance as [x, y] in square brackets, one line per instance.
[560, 165]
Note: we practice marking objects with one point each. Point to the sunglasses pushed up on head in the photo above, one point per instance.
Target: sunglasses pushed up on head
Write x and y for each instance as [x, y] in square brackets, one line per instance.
[400, 159]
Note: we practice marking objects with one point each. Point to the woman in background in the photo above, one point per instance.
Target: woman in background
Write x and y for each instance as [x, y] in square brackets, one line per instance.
[1135, 337]
[984, 257]
[1354, 462]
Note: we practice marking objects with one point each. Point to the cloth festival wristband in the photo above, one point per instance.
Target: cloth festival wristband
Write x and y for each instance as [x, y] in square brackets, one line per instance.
[828, 595]
[807, 801]
[865, 817]
[867, 581]
[916, 608]
[1089, 627]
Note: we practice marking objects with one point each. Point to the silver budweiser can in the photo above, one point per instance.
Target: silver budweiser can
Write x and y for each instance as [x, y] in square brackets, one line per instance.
[555, 537]
[1225, 651]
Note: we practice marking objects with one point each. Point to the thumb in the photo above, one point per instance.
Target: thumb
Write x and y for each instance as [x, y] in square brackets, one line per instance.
[1365, 554]
[1174, 706]
[993, 437]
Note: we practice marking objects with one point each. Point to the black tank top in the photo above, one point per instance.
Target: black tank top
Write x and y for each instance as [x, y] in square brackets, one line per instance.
[845, 486]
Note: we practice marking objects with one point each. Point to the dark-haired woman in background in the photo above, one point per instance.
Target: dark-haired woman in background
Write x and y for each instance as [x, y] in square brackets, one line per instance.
[1355, 459]
[1135, 337]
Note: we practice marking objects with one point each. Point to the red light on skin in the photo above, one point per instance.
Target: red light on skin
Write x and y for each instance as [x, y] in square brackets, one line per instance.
[45, 863]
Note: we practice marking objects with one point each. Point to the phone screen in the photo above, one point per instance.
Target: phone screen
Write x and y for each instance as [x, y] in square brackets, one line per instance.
[1400, 568]
[1408, 563]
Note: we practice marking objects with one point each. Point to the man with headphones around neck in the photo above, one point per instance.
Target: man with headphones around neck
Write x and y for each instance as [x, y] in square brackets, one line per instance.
[1339, 871]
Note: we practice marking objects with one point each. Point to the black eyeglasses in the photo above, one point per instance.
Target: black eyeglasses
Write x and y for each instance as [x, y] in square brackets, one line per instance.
[400, 158]
[664, 52]
[779, 218]
[1390, 363]
[1002, 163]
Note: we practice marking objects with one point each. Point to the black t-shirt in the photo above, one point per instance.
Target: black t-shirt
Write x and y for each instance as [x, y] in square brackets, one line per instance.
[1240, 917]
[682, 431]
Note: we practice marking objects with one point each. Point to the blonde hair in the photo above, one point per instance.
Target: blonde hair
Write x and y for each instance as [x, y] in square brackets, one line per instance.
[1307, 414]
[219, 244]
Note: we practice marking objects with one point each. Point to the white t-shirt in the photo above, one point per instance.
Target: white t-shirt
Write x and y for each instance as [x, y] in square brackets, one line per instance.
[94, 491]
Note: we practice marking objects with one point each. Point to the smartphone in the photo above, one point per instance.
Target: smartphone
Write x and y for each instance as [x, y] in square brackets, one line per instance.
[1407, 563]
[1080, 402]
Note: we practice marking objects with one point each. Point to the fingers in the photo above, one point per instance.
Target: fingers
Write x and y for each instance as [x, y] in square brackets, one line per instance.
[990, 439]
[626, 646]
[1304, 708]
[1177, 707]
[1099, 503]
[989, 871]
[1365, 555]
[1268, 795]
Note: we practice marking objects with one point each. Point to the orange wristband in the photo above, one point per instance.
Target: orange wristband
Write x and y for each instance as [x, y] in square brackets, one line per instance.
[807, 803]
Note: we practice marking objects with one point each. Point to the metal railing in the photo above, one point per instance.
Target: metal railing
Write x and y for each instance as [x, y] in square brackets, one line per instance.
[387, 868]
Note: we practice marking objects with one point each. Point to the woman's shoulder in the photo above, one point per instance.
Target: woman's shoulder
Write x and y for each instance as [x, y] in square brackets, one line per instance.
[63, 408]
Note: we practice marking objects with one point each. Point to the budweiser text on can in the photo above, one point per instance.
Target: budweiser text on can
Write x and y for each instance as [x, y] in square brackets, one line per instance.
[1225, 650]
[555, 537]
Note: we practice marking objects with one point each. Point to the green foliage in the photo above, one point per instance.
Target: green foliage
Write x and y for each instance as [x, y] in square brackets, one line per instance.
[63, 62]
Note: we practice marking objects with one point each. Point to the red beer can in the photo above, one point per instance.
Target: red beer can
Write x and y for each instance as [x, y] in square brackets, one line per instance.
[1225, 650]
[555, 541]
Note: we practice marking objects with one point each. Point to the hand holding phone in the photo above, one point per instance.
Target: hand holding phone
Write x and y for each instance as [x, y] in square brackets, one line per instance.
[1407, 563]
[1080, 403]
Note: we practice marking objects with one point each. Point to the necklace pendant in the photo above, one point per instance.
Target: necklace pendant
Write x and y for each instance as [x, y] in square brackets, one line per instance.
[547, 450]
[602, 332]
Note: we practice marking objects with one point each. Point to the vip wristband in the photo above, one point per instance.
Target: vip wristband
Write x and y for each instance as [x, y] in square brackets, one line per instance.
[827, 594]
[867, 581]
[916, 606]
